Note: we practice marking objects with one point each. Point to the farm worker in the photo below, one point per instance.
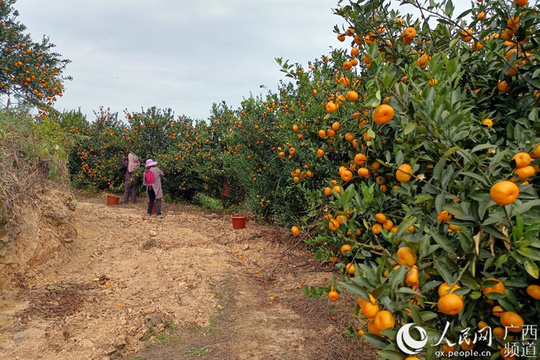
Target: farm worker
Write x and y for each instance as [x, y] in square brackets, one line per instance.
[132, 180]
[152, 181]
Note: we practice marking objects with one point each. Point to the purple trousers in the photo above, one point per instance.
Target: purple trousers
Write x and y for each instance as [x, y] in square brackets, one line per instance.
[130, 190]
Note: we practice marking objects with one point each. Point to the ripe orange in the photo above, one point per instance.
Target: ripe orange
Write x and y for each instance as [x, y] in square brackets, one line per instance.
[327, 191]
[521, 3]
[522, 159]
[372, 328]
[334, 225]
[488, 123]
[292, 151]
[504, 192]
[352, 95]
[447, 348]
[497, 310]
[534, 291]
[444, 289]
[337, 189]
[467, 344]
[383, 114]
[497, 288]
[444, 216]
[360, 159]
[466, 35]
[295, 230]
[500, 332]
[404, 172]
[363, 172]
[369, 309]
[333, 295]
[512, 321]
[320, 153]
[346, 247]
[376, 228]
[525, 172]
[388, 224]
[322, 133]
[503, 86]
[381, 218]
[384, 320]
[350, 268]
[450, 304]
[331, 107]
[346, 175]
[406, 256]
[336, 126]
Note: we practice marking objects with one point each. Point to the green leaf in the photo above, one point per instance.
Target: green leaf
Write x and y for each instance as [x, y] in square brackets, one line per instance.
[409, 128]
[443, 242]
[375, 340]
[390, 354]
[531, 268]
[354, 289]
[530, 253]
[451, 151]
[398, 277]
[404, 226]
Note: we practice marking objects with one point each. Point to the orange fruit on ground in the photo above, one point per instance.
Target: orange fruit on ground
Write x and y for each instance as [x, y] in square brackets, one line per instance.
[497, 310]
[497, 288]
[405, 255]
[450, 304]
[525, 172]
[522, 159]
[346, 247]
[333, 295]
[534, 291]
[360, 159]
[334, 259]
[361, 332]
[350, 268]
[444, 289]
[381, 218]
[504, 192]
[384, 320]
[295, 230]
[512, 321]
[404, 172]
[383, 114]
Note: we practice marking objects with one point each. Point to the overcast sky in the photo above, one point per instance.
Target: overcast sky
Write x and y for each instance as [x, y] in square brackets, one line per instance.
[178, 54]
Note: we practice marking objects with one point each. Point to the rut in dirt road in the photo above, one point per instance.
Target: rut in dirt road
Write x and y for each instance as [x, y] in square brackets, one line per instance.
[136, 287]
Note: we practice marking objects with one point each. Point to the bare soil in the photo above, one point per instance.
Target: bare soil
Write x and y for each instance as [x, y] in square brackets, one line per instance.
[131, 286]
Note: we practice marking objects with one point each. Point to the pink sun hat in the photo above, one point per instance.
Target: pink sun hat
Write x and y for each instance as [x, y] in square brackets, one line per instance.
[150, 162]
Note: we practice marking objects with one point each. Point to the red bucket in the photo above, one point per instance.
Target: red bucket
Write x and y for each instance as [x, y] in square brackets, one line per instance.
[153, 207]
[238, 221]
[112, 199]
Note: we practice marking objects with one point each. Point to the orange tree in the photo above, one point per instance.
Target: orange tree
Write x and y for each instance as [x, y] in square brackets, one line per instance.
[433, 184]
[31, 71]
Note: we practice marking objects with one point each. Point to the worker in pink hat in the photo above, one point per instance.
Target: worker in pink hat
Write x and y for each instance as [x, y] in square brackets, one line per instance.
[152, 181]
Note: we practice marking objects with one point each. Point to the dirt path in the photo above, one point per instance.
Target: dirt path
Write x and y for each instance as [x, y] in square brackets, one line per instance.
[137, 287]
